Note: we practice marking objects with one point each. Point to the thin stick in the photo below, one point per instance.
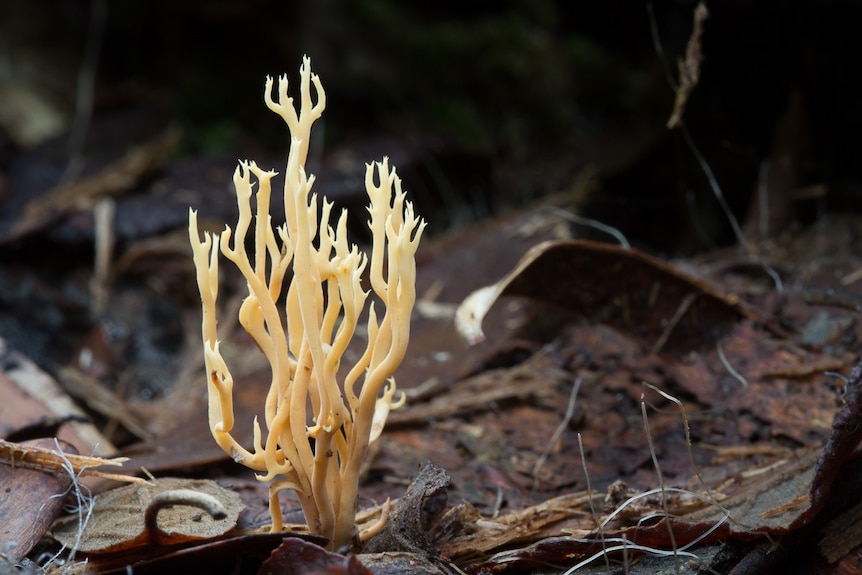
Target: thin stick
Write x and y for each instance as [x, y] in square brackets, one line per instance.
[664, 505]
[590, 493]
[687, 431]
[763, 197]
[625, 548]
[736, 375]
[84, 503]
[728, 213]
[103, 216]
[498, 503]
[634, 498]
[610, 230]
[85, 87]
[570, 410]
[656, 42]
[47, 460]
[625, 554]
[704, 166]
[686, 428]
[684, 306]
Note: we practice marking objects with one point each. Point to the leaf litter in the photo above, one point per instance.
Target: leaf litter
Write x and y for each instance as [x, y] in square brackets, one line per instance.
[745, 471]
[544, 477]
[759, 411]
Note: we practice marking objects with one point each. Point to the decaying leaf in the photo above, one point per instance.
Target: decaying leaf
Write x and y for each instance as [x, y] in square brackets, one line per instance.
[842, 534]
[766, 499]
[98, 398]
[297, 557]
[470, 537]
[173, 511]
[846, 435]
[623, 287]
[116, 178]
[535, 376]
[31, 501]
[762, 501]
[401, 563]
[233, 554]
[37, 397]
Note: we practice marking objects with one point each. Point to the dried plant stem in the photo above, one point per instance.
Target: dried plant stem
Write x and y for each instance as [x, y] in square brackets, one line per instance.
[593, 513]
[735, 374]
[664, 505]
[567, 418]
[16, 455]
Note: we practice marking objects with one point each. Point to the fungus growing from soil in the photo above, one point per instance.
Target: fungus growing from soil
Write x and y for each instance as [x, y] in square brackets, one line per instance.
[317, 429]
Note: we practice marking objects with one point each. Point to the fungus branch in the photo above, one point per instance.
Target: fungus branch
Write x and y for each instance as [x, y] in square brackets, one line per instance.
[305, 338]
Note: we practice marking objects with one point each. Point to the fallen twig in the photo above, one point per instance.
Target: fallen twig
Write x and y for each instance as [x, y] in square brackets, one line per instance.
[48, 460]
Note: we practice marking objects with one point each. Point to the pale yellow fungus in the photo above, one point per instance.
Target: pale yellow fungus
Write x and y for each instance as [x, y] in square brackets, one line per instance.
[305, 338]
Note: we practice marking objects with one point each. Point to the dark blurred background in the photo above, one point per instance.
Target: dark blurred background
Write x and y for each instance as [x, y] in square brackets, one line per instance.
[484, 106]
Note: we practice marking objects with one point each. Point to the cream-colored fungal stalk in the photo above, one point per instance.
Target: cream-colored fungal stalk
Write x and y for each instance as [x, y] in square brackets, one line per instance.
[316, 454]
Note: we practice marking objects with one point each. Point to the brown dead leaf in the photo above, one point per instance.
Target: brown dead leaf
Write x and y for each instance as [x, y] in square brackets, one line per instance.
[167, 513]
[31, 501]
[239, 554]
[470, 537]
[764, 501]
[191, 443]
[536, 376]
[767, 499]
[297, 557]
[846, 435]
[31, 395]
[842, 534]
[101, 400]
[401, 563]
[623, 287]
[120, 176]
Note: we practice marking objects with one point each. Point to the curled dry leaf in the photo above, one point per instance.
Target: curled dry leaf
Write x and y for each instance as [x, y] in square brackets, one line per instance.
[173, 511]
[622, 287]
